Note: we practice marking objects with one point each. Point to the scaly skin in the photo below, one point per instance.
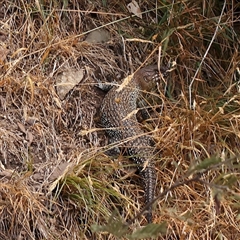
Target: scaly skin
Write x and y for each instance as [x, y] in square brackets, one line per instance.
[118, 114]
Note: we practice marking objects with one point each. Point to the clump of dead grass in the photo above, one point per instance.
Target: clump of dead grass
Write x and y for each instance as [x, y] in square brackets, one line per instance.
[55, 182]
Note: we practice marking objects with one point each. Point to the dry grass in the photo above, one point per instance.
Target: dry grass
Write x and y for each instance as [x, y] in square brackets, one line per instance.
[56, 182]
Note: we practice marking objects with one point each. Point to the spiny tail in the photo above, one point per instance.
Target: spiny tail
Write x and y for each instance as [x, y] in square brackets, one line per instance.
[149, 178]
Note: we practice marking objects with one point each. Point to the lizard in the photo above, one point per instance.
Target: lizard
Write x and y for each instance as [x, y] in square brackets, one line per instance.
[118, 117]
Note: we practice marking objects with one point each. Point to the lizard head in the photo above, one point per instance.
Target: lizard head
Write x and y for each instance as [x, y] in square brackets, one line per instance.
[148, 77]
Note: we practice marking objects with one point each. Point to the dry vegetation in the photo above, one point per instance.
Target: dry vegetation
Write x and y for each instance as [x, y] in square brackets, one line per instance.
[56, 181]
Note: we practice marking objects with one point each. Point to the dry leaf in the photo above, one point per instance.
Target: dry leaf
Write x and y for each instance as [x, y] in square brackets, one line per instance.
[58, 173]
[60, 170]
[134, 8]
[98, 36]
[67, 81]
[29, 137]
[21, 127]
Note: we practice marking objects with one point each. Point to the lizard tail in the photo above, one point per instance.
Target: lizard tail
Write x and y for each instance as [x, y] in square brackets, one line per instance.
[149, 178]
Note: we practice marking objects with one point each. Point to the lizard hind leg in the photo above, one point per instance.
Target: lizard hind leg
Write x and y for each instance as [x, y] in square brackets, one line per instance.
[113, 150]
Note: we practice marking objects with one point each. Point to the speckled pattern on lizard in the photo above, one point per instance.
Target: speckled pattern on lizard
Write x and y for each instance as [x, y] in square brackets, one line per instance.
[118, 116]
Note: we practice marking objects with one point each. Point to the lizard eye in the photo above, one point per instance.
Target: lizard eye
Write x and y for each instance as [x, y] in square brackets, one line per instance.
[145, 79]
